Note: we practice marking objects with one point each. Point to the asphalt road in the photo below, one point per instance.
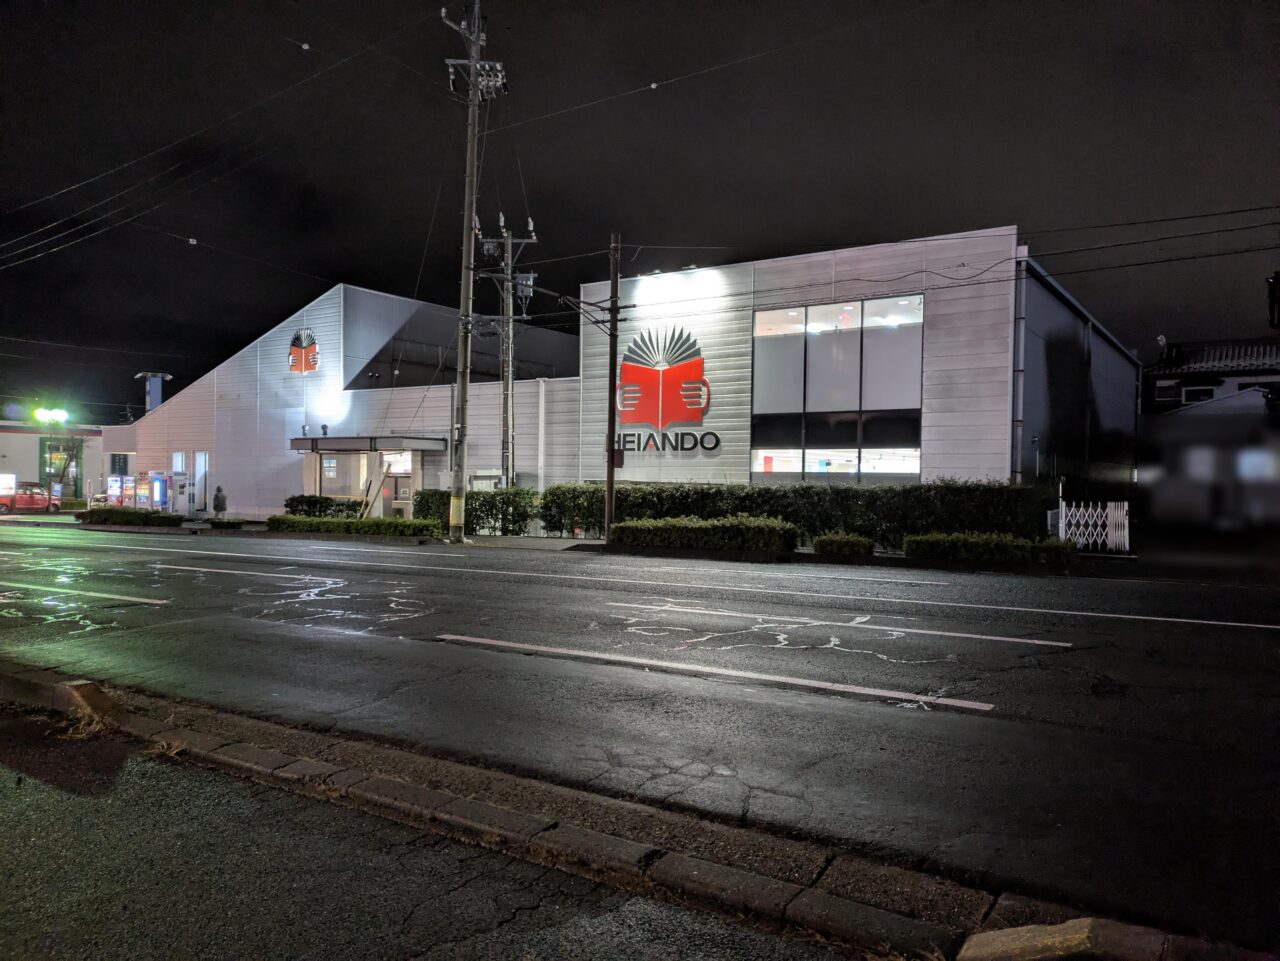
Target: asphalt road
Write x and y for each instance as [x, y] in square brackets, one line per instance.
[1104, 742]
[109, 854]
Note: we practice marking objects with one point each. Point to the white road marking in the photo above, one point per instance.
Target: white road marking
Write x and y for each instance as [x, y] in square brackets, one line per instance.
[823, 577]
[798, 682]
[221, 570]
[15, 553]
[380, 550]
[810, 622]
[1154, 618]
[70, 590]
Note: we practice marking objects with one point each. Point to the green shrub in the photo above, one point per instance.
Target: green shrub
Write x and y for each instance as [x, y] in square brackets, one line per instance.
[883, 513]
[225, 523]
[131, 516]
[843, 544]
[570, 507]
[317, 505]
[432, 504]
[738, 533]
[396, 526]
[73, 503]
[1057, 554]
[506, 511]
[970, 547]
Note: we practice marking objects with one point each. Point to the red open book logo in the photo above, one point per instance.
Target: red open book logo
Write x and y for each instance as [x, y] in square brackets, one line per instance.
[660, 382]
[304, 352]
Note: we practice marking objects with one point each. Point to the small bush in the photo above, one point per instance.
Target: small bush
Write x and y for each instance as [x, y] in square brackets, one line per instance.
[432, 504]
[317, 505]
[996, 550]
[131, 516]
[842, 544]
[225, 523]
[506, 511]
[73, 503]
[1057, 554]
[394, 526]
[739, 533]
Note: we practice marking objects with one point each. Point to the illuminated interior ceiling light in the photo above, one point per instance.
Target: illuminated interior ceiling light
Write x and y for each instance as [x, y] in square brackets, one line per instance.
[904, 302]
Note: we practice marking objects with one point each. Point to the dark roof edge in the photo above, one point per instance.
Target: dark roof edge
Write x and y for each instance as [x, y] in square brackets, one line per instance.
[1055, 288]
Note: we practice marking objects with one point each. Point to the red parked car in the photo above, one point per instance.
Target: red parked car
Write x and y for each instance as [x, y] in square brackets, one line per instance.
[30, 496]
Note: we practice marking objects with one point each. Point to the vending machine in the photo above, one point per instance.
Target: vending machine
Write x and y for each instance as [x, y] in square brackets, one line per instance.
[129, 491]
[115, 490]
[168, 490]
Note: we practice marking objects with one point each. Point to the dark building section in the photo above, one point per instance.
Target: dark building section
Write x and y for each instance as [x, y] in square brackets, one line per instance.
[392, 341]
[1079, 399]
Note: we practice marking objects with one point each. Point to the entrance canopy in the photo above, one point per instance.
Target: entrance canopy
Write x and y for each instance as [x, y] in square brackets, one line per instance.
[371, 442]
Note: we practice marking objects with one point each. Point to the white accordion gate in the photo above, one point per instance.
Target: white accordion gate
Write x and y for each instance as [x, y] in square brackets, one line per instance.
[1095, 525]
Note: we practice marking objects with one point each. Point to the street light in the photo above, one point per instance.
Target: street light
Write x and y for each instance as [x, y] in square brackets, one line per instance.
[55, 416]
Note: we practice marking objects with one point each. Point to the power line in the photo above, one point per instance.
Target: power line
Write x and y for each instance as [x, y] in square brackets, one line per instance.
[703, 71]
[199, 186]
[114, 350]
[958, 283]
[194, 242]
[1024, 233]
[225, 120]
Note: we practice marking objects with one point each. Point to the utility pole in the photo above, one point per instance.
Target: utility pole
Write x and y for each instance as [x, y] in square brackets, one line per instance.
[485, 79]
[610, 451]
[513, 285]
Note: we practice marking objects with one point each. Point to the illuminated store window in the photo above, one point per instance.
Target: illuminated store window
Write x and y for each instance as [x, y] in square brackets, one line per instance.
[833, 379]
[820, 461]
[892, 347]
[770, 461]
[891, 460]
[778, 366]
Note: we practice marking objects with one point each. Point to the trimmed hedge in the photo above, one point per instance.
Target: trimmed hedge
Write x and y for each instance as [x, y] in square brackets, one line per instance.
[740, 533]
[225, 523]
[317, 505]
[846, 545]
[73, 503]
[506, 511]
[884, 514]
[394, 526]
[998, 550]
[131, 516]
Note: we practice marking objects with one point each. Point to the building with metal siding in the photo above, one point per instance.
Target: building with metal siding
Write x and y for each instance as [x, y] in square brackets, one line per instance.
[945, 357]
[239, 426]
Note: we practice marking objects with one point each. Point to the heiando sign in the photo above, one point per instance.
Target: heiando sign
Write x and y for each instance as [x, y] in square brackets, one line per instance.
[661, 384]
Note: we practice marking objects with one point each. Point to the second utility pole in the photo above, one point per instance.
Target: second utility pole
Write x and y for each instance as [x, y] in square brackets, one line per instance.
[611, 451]
[485, 79]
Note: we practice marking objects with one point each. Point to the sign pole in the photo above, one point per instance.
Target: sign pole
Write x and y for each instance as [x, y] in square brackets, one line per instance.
[610, 452]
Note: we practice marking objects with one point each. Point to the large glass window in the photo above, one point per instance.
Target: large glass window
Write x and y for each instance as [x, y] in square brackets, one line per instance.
[892, 347]
[836, 389]
[833, 378]
[777, 385]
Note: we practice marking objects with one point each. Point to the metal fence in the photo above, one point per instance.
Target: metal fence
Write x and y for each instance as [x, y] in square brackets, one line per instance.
[1095, 525]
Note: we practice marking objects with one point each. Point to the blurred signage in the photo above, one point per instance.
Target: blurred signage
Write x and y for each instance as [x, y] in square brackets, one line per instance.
[8, 484]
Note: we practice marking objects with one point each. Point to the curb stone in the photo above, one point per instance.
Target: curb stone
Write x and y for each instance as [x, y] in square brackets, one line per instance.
[642, 868]
[1096, 939]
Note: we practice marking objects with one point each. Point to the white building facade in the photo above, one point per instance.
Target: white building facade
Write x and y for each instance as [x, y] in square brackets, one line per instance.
[945, 357]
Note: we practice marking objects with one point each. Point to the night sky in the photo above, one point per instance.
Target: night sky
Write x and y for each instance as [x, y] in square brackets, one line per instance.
[874, 122]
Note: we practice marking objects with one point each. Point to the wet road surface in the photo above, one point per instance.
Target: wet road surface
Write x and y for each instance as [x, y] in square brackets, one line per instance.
[114, 854]
[1105, 742]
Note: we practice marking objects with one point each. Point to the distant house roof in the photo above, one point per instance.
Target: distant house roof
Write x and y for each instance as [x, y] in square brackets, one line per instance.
[1219, 356]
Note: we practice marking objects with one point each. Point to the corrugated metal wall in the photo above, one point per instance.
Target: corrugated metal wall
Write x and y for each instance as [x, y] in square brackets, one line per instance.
[245, 412]
[966, 405]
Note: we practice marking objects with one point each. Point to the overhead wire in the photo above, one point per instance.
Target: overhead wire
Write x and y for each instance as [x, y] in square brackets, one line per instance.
[212, 126]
